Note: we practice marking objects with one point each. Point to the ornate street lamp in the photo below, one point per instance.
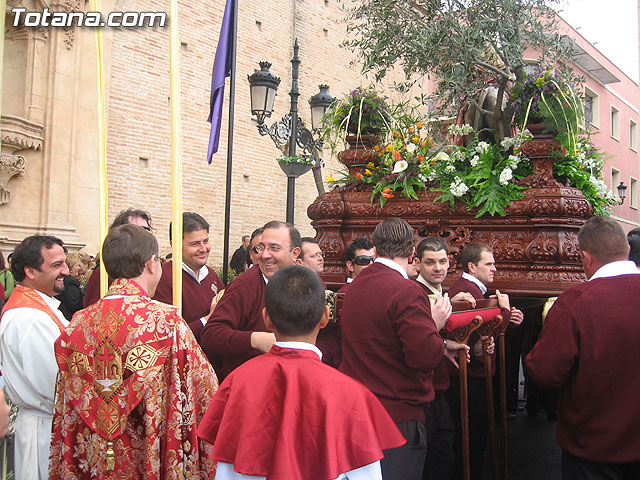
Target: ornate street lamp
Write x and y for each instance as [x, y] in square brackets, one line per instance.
[264, 86]
[622, 192]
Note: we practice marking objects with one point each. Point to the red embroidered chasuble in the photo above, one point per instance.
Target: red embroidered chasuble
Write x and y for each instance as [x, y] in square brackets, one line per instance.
[24, 297]
[133, 386]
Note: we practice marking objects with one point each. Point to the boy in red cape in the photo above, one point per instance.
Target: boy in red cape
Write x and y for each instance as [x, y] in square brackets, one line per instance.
[286, 415]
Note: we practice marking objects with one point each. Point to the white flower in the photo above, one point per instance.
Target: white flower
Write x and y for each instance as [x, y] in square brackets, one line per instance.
[507, 143]
[432, 175]
[474, 160]
[400, 166]
[457, 156]
[423, 178]
[458, 188]
[514, 160]
[441, 157]
[464, 129]
[505, 176]
[411, 147]
[483, 147]
[449, 168]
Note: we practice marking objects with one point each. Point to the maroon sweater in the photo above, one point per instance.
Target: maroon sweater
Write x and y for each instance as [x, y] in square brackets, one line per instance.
[390, 342]
[476, 367]
[196, 297]
[589, 349]
[237, 315]
[441, 380]
[329, 339]
[92, 290]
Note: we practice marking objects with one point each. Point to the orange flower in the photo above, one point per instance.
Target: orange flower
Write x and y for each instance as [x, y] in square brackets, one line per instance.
[377, 148]
[415, 139]
[359, 176]
[420, 157]
[386, 193]
[433, 163]
[397, 155]
[423, 143]
[419, 125]
[431, 142]
[395, 134]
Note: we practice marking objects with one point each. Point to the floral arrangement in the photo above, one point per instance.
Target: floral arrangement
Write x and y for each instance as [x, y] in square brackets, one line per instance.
[362, 111]
[303, 159]
[480, 175]
[549, 99]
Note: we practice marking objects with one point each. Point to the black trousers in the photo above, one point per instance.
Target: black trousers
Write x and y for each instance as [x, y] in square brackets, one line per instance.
[574, 468]
[406, 462]
[440, 437]
[478, 425]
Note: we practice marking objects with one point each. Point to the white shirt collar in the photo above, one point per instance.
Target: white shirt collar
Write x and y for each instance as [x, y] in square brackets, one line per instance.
[429, 286]
[202, 273]
[300, 346]
[471, 278]
[54, 303]
[613, 269]
[266, 280]
[349, 279]
[392, 265]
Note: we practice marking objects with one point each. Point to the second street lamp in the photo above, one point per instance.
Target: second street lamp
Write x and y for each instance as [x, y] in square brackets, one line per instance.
[290, 131]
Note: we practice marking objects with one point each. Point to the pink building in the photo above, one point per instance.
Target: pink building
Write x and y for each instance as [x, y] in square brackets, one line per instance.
[612, 109]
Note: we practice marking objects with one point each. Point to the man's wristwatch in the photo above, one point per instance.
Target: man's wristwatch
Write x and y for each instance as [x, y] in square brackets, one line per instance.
[444, 340]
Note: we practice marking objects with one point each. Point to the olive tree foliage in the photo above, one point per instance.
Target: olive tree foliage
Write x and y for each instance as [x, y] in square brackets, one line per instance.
[473, 49]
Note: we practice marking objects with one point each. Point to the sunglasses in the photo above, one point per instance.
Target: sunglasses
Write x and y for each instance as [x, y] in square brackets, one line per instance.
[363, 260]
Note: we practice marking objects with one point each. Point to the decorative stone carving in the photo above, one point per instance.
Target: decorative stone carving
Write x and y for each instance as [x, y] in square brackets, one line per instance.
[10, 166]
[535, 244]
[21, 133]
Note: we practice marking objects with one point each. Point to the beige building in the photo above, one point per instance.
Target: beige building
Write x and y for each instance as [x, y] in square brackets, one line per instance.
[49, 169]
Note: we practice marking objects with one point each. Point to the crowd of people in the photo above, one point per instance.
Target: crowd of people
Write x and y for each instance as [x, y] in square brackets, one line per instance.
[255, 379]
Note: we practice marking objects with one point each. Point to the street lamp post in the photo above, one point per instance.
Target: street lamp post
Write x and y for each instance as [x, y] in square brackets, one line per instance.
[264, 86]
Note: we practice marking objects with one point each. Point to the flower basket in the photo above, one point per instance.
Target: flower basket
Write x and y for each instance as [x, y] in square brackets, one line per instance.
[359, 154]
[294, 170]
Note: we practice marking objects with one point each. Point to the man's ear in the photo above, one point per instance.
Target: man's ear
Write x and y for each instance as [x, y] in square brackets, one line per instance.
[297, 261]
[471, 267]
[349, 265]
[296, 252]
[324, 320]
[267, 321]
[30, 272]
[151, 265]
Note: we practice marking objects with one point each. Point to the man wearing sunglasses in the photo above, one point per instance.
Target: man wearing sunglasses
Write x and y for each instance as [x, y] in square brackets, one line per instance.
[360, 254]
[236, 330]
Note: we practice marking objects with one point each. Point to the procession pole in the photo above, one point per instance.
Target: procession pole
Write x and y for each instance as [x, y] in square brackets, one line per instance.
[96, 6]
[176, 154]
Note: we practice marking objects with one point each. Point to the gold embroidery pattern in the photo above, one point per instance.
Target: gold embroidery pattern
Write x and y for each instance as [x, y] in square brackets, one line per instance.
[78, 364]
[107, 362]
[141, 357]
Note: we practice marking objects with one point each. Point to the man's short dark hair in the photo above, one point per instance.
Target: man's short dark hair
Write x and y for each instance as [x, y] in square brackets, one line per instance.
[473, 253]
[246, 237]
[431, 244]
[393, 237]
[255, 233]
[126, 249]
[191, 222]
[362, 243]
[604, 238]
[295, 300]
[29, 254]
[294, 234]
[633, 237]
[306, 240]
[123, 217]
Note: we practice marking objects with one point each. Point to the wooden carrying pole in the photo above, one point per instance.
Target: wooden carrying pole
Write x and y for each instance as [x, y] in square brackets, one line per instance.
[503, 404]
[96, 6]
[176, 155]
[486, 330]
[461, 335]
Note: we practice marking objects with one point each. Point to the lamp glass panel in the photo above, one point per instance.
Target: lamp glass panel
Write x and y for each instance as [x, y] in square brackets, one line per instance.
[258, 99]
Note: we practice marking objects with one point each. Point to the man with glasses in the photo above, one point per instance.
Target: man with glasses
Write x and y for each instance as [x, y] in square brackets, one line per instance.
[311, 255]
[253, 253]
[132, 216]
[236, 330]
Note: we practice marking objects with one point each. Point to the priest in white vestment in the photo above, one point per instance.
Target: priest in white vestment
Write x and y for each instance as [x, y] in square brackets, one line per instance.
[29, 326]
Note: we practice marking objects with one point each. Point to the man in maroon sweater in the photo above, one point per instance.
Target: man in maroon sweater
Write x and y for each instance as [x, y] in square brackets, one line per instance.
[390, 343]
[479, 268]
[135, 217]
[432, 266]
[200, 283]
[236, 330]
[588, 348]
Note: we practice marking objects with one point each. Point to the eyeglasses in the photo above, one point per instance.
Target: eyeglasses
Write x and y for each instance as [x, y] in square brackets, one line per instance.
[317, 255]
[274, 248]
[147, 228]
[363, 260]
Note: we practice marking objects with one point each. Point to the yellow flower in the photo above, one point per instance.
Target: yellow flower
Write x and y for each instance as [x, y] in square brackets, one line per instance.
[415, 139]
[395, 134]
[367, 171]
[370, 165]
[330, 179]
[388, 148]
[419, 125]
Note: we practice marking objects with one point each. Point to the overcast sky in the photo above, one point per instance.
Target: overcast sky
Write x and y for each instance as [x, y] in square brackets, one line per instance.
[611, 25]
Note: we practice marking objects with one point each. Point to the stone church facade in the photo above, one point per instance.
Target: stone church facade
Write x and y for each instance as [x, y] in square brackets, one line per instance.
[49, 168]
